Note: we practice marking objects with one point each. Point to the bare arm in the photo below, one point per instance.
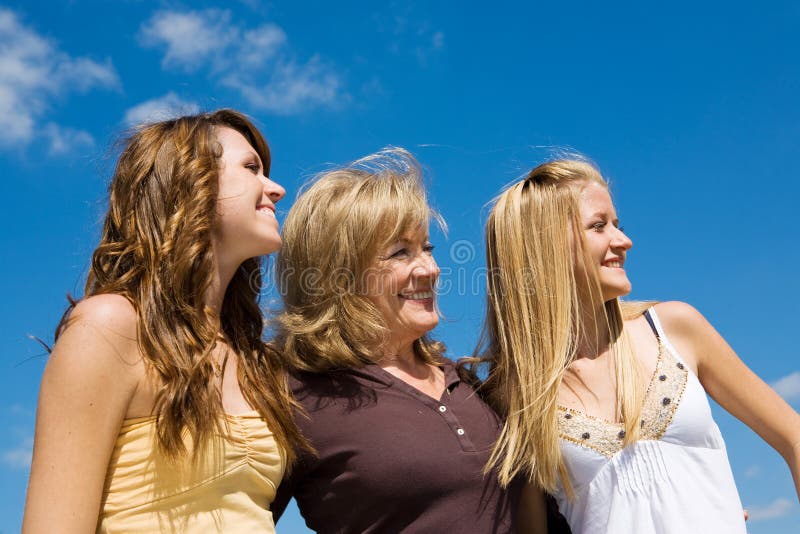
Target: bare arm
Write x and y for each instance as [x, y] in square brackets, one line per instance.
[87, 385]
[732, 384]
[532, 511]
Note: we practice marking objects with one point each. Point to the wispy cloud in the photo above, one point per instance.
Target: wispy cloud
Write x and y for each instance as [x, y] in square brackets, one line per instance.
[34, 73]
[788, 387]
[753, 471]
[290, 87]
[437, 41]
[20, 456]
[255, 62]
[165, 107]
[410, 32]
[189, 39]
[63, 140]
[777, 508]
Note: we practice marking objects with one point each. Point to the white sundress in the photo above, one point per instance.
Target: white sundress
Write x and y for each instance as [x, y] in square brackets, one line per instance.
[675, 480]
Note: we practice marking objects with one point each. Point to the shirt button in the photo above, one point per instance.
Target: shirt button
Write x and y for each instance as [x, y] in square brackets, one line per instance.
[460, 431]
[442, 409]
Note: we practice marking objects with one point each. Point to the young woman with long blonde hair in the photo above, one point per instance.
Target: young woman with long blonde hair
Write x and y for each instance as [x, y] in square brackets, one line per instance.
[605, 402]
[160, 409]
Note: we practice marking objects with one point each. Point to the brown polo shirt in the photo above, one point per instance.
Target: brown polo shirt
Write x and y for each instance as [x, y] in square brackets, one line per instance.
[392, 459]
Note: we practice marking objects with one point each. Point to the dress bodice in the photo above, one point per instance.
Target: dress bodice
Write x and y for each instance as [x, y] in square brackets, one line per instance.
[675, 479]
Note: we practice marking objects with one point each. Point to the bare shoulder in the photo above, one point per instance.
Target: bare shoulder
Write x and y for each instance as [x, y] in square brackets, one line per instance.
[87, 388]
[681, 319]
[110, 311]
[99, 340]
[689, 332]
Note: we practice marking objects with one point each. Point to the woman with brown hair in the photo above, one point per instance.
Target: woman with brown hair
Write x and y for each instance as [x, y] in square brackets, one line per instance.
[160, 408]
[605, 402]
[400, 439]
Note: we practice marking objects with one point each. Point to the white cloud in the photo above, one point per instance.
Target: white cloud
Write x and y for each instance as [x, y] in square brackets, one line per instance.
[255, 62]
[777, 508]
[262, 44]
[291, 87]
[788, 387]
[410, 31]
[63, 140]
[189, 38]
[753, 471]
[19, 457]
[18, 409]
[34, 73]
[168, 106]
[438, 40]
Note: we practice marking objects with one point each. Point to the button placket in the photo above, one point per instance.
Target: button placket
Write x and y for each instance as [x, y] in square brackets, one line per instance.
[455, 426]
[446, 412]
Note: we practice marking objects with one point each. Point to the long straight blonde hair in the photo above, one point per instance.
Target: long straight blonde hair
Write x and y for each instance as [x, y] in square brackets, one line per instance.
[536, 299]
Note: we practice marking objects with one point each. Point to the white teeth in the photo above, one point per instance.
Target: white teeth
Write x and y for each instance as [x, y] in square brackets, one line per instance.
[615, 264]
[419, 296]
[267, 211]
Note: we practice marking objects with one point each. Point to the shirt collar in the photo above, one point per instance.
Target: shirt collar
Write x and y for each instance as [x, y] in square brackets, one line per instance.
[374, 372]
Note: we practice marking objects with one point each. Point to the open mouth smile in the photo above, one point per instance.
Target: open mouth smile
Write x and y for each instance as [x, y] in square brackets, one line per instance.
[420, 295]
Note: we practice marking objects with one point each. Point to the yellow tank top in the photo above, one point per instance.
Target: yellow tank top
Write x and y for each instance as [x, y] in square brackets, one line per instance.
[228, 488]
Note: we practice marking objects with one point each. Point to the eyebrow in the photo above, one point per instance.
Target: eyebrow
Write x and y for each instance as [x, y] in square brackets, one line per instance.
[406, 240]
[602, 215]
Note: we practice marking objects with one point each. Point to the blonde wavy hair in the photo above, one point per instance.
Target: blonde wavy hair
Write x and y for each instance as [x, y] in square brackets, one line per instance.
[536, 298]
[155, 250]
[332, 237]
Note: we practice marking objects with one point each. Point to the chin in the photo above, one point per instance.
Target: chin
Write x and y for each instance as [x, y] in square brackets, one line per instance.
[424, 329]
[618, 295]
[273, 244]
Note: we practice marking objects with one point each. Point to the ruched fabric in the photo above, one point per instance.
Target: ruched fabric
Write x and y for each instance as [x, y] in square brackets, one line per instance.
[228, 487]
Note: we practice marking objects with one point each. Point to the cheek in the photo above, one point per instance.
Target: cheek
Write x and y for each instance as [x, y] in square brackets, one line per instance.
[378, 286]
[596, 245]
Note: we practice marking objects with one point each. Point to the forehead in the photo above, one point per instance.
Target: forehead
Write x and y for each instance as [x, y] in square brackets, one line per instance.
[416, 234]
[595, 199]
[232, 141]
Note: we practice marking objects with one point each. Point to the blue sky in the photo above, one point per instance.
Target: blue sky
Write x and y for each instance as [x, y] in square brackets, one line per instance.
[689, 108]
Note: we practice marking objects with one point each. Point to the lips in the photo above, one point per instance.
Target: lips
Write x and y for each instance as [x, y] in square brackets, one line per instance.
[266, 209]
[615, 263]
[419, 295]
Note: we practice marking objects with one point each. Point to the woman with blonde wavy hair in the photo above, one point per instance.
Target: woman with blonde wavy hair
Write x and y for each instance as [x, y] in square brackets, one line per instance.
[160, 409]
[605, 402]
[400, 440]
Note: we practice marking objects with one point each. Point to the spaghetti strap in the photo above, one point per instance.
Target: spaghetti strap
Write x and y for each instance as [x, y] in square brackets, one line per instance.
[649, 317]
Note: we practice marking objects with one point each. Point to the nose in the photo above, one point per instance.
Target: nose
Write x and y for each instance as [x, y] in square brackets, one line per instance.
[620, 240]
[426, 266]
[273, 190]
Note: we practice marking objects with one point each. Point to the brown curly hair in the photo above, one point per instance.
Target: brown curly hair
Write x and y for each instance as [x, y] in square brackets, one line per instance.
[155, 250]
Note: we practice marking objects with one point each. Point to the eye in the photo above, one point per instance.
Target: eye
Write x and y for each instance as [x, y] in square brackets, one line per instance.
[428, 248]
[598, 226]
[254, 167]
[400, 253]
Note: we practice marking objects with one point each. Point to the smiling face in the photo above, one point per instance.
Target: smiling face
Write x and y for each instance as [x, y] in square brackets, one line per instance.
[401, 285]
[246, 224]
[606, 244]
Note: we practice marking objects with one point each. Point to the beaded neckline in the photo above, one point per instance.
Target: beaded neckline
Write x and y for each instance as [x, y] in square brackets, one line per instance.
[661, 400]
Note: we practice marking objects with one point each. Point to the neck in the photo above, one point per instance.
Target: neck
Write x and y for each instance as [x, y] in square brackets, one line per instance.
[595, 338]
[215, 294]
[399, 356]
